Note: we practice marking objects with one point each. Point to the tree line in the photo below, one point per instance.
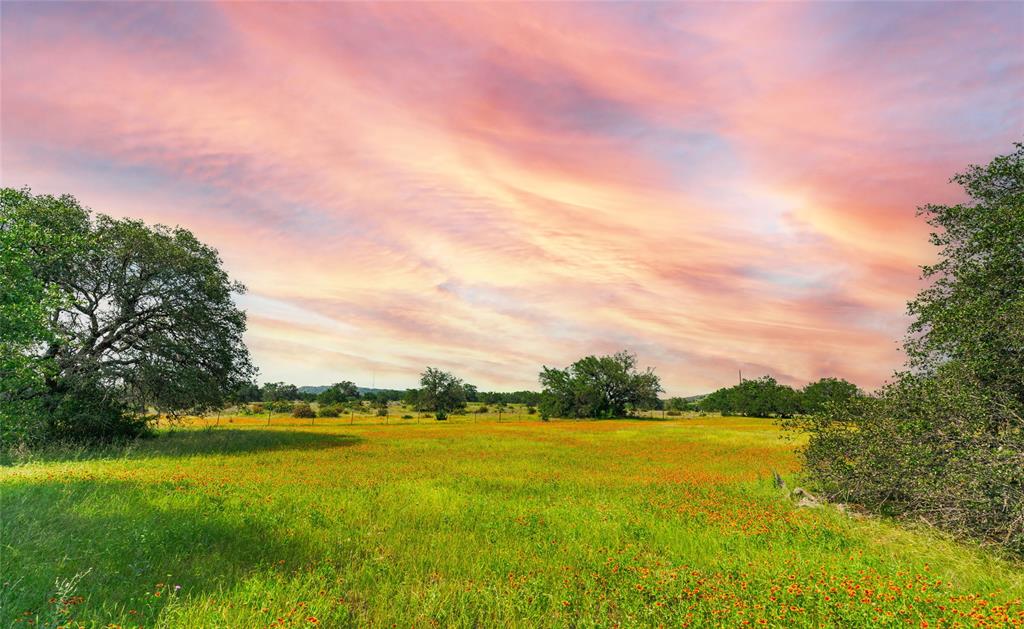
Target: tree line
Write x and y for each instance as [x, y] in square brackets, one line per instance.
[766, 397]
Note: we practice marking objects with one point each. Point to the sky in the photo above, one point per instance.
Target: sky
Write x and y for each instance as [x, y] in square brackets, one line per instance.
[488, 188]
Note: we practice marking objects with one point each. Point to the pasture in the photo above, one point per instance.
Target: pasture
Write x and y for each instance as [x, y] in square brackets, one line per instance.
[469, 522]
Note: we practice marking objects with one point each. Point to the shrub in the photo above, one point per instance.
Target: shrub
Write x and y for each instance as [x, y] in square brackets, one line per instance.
[329, 410]
[673, 413]
[86, 415]
[382, 412]
[406, 416]
[926, 447]
[531, 410]
[482, 409]
[303, 409]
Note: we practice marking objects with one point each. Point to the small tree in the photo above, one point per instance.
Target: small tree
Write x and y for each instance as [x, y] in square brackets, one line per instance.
[441, 392]
[303, 410]
[329, 410]
[598, 387]
[827, 391]
[339, 393]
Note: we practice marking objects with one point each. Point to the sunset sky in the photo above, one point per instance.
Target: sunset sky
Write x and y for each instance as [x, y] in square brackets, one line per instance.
[488, 188]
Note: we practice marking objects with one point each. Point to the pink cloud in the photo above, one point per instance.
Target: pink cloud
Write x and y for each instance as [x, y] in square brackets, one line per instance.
[496, 187]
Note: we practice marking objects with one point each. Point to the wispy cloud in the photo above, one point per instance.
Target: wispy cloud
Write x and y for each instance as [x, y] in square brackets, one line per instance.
[493, 187]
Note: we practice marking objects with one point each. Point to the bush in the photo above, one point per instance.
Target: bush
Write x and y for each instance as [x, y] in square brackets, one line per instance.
[673, 413]
[303, 409]
[482, 409]
[406, 416]
[86, 415]
[530, 410]
[934, 448]
[280, 406]
[382, 412]
[329, 410]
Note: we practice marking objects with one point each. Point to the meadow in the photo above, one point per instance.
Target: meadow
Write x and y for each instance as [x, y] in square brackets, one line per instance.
[361, 521]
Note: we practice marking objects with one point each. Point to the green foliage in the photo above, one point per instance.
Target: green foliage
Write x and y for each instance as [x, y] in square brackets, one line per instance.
[924, 448]
[761, 397]
[676, 404]
[596, 387]
[303, 409]
[278, 391]
[140, 316]
[330, 410]
[944, 442]
[441, 393]
[279, 406]
[85, 413]
[973, 310]
[817, 395]
[26, 303]
[339, 393]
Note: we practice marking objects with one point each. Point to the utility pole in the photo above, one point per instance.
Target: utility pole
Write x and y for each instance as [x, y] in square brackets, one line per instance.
[741, 376]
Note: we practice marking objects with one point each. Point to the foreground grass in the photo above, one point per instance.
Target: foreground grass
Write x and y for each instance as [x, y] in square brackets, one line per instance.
[467, 524]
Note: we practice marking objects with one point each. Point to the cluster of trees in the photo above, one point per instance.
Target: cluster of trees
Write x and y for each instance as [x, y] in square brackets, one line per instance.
[765, 397]
[592, 387]
[598, 386]
[104, 319]
[944, 440]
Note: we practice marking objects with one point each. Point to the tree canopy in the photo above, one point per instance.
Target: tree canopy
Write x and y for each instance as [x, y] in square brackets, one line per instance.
[441, 393]
[760, 397]
[973, 310]
[339, 393]
[598, 386]
[136, 316]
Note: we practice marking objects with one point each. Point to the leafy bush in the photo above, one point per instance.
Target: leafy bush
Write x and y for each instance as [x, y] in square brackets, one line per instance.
[302, 409]
[280, 406]
[85, 415]
[935, 448]
[406, 416]
[673, 413]
[330, 410]
[382, 412]
[482, 409]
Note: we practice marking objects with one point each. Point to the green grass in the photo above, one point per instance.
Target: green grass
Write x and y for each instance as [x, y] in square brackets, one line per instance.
[465, 523]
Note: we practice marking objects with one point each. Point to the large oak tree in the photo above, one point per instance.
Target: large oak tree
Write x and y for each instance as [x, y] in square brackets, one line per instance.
[139, 316]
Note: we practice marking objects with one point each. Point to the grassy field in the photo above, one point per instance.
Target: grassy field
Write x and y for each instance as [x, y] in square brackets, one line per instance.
[466, 523]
